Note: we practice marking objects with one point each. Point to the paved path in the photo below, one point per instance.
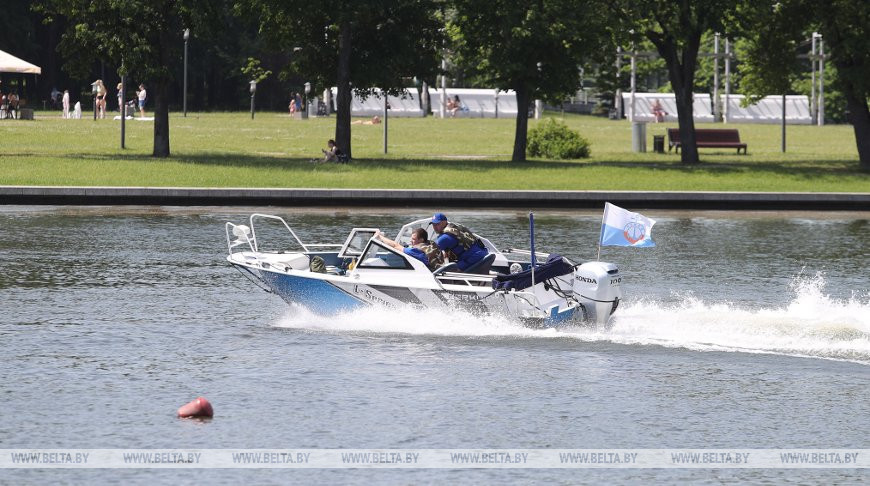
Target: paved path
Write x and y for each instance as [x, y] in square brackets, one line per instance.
[181, 196]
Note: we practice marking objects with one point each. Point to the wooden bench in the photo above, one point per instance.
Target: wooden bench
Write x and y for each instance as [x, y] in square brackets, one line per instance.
[709, 137]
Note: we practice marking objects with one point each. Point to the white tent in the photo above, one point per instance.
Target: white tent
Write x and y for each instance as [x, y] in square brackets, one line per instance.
[11, 64]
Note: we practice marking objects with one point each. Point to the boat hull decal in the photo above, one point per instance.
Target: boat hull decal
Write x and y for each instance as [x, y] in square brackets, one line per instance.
[402, 295]
[319, 296]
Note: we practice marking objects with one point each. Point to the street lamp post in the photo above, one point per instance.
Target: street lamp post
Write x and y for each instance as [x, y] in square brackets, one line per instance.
[121, 97]
[386, 117]
[538, 107]
[186, 37]
[253, 92]
[496, 102]
[307, 90]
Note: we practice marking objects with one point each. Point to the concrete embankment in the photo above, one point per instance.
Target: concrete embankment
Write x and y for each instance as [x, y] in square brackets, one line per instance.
[184, 196]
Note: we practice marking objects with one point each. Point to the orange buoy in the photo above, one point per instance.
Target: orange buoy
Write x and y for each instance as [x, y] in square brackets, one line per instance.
[200, 407]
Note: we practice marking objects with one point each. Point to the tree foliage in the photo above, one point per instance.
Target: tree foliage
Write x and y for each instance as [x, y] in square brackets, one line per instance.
[770, 63]
[676, 30]
[352, 45]
[533, 48]
[773, 29]
[139, 36]
[17, 35]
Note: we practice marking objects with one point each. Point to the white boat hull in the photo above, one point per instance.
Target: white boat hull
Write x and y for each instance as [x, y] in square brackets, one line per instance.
[587, 294]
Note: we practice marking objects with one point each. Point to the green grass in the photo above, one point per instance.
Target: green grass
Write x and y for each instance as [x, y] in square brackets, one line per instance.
[231, 150]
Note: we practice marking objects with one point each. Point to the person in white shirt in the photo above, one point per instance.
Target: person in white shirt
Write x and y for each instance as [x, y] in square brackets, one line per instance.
[66, 103]
[141, 94]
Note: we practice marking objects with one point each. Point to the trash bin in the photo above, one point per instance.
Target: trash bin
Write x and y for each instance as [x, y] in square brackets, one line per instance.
[638, 136]
[659, 144]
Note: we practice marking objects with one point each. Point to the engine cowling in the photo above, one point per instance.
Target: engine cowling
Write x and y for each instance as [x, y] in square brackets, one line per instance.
[597, 285]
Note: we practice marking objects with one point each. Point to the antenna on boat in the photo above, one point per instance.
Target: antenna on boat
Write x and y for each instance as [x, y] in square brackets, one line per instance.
[532, 243]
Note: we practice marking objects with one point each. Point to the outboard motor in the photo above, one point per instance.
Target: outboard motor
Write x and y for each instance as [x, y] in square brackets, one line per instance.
[597, 287]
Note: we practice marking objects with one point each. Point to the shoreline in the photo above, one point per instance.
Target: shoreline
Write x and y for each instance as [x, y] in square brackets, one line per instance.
[188, 196]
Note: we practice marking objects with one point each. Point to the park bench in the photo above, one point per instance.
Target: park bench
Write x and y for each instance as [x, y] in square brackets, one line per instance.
[710, 138]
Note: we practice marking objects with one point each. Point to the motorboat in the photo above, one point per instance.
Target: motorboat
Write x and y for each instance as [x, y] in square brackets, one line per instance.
[538, 289]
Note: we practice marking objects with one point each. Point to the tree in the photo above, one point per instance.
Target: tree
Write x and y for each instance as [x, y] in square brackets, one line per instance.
[16, 32]
[774, 28]
[676, 28]
[18, 37]
[139, 36]
[845, 26]
[534, 48]
[353, 44]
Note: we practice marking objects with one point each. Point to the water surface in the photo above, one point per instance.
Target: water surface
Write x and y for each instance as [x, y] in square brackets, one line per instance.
[739, 330]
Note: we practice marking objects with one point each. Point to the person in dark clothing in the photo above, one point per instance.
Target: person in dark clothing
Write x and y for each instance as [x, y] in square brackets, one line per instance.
[333, 154]
[458, 242]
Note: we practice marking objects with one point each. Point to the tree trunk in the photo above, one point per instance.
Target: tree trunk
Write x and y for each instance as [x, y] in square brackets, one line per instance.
[859, 117]
[161, 94]
[681, 73]
[522, 127]
[344, 96]
[686, 120]
[161, 119]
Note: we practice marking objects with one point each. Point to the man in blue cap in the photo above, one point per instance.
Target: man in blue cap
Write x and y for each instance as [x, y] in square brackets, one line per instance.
[457, 242]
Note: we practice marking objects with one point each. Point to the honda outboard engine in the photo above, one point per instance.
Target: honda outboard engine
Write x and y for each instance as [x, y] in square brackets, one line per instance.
[597, 287]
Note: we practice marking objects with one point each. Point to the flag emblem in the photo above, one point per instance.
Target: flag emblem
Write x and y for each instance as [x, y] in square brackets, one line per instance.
[634, 232]
[625, 228]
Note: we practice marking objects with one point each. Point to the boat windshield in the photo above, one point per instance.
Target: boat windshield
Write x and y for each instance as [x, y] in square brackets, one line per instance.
[356, 242]
[379, 256]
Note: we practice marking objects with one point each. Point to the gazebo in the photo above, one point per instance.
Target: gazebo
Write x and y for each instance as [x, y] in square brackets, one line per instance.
[11, 64]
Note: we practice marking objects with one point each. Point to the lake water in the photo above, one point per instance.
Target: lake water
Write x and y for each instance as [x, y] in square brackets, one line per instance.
[739, 330]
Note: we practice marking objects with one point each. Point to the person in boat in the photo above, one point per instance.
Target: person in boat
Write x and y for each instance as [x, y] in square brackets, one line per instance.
[421, 248]
[457, 242]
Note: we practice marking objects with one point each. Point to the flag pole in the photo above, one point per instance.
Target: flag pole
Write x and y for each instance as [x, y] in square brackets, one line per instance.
[532, 244]
[601, 232]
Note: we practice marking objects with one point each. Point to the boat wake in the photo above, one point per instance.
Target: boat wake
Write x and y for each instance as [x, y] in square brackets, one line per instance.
[812, 324]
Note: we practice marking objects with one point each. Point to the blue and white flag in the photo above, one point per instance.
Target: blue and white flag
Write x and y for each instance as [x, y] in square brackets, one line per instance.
[624, 228]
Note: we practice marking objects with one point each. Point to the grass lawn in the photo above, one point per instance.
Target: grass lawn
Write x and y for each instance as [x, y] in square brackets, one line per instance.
[231, 150]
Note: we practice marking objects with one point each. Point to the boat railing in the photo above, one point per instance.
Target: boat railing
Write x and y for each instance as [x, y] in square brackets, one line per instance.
[321, 246]
[530, 297]
[276, 218]
[469, 279]
[239, 234]
[472, 280]
[528, 253]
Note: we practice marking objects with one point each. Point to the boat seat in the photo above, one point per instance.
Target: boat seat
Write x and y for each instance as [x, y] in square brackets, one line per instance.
[482, 267]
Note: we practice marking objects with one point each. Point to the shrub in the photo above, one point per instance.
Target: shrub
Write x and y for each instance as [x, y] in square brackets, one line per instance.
[554, 140]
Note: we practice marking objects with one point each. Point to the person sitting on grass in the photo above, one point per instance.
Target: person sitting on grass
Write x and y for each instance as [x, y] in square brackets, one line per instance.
[333, 153]
[658, 111]
[453, 106]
